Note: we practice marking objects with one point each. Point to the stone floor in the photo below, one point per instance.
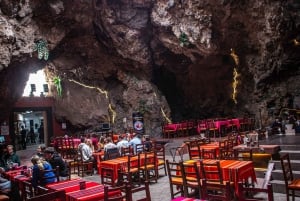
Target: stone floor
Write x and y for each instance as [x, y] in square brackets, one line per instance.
[160, 191]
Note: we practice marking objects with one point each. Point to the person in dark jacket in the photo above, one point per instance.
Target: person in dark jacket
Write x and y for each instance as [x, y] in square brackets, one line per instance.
[10, 158]
[56, 160]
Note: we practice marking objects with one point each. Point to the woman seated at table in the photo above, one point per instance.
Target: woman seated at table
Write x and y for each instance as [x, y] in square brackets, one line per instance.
[38, 166]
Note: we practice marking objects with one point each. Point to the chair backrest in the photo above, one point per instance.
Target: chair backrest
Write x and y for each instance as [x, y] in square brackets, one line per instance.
[145, 188]
[191, 176]
[50, 196]
[175, 175]
[243, 154]
[211, 171]
[216, 191]
[27, 190]
[245, 192]
[123, 195]
[139, 148]
[160, 151]
[286, 168]
[208, 153]
[107, 176]
[126, 151]
[111, 153]
[194, 149]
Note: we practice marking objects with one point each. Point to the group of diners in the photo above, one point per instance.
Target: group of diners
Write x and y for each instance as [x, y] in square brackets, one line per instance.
[42, 171]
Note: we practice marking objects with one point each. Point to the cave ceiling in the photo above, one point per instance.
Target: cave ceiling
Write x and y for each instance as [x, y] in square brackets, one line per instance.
[168, 58]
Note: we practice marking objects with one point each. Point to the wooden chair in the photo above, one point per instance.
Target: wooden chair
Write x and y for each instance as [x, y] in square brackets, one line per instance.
[139, 189]
[139, 148]
[175, 174]
[107, 176]
[131, 171]
[27, 190]
[246, 193]
[83, 167]
[149, 167]
[191, 180]
[217, 191]
[193, 149]
[111, 153]
[211, 128]
[210, 153]
[124, 195]
[161, 157]
[211, 172]
[126, 151]
[291, 184]
[50, 196]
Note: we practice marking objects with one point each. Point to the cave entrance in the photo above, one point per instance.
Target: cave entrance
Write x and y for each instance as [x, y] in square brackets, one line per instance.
[38, 124]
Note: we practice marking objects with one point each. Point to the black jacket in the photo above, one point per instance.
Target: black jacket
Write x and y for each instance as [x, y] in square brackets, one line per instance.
[56, 160]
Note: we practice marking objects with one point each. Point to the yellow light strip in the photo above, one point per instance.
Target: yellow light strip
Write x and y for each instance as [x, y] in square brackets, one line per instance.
[114, 114]
[235, 57]
[234, 85]
[235, 75]
[165, 116]
[91, 87]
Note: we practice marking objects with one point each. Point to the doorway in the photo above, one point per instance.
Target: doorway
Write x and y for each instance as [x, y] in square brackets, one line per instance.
[37, 122]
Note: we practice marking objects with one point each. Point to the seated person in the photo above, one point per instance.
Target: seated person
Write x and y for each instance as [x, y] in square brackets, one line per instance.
[137, 139]
[109, 144]
[148, 144]
[5, 185]
[38, 166]
[277, 126]
[122, 143]
[40, 151]
[85, 151]
[55, 160]
[10, 158]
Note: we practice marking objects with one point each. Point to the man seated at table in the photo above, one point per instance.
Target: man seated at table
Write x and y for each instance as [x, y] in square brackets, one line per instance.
[137, 139]
[10, 158]
[56, 160]
[123, 143]
[85, 151]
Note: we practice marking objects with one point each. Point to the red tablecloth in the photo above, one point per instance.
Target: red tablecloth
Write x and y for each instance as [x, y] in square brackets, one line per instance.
[95, 193]
[71, 185]
[120, 163]
[233, 170]
[186, 199]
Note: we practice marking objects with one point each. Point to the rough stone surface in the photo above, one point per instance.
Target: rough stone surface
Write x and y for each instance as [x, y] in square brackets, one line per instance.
[156, 54]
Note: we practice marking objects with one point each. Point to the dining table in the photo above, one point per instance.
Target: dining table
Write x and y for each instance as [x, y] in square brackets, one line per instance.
[232, 170]
[74, 190]
[121, 163]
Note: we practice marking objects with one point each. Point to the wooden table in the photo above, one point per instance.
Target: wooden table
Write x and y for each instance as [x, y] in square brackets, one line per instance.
[92, 192]
[233, 170]
[120, 163]
[269, 149]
